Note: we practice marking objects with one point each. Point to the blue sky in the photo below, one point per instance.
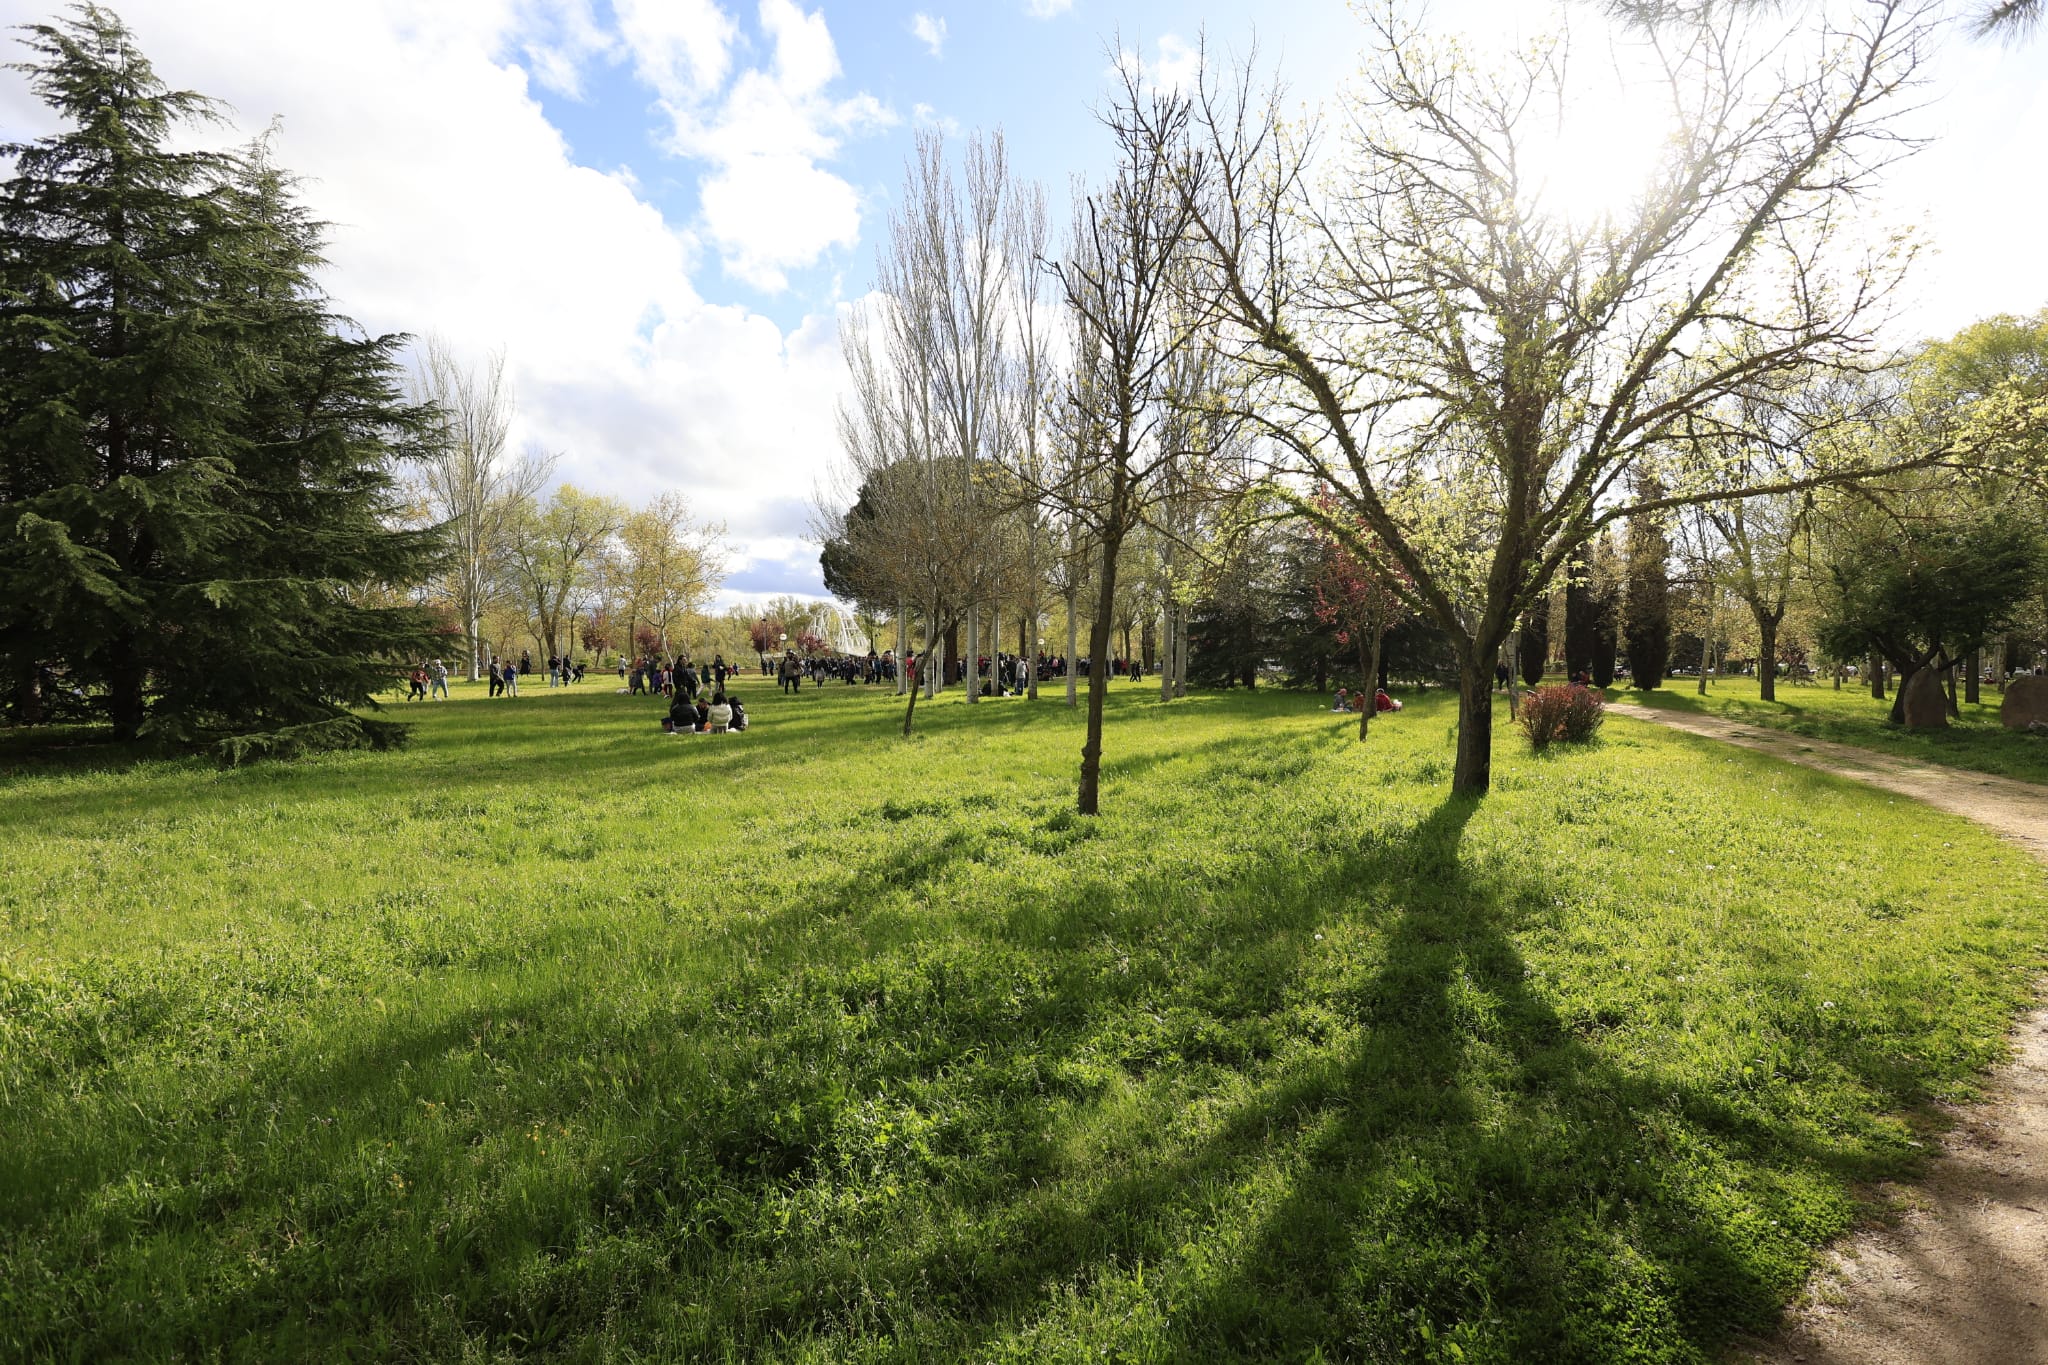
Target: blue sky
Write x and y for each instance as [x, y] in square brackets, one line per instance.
[654, 209]
[980, 65]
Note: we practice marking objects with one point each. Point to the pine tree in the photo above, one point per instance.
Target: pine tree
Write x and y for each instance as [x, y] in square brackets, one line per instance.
[196, 455]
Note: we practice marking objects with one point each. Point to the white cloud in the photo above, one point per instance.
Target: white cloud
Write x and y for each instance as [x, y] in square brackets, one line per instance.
[1047, 9]
[1178, 64]
[929, 31]
[683, 48]
[458, 210]
[930, 117]
[560, 39]
[768, 205]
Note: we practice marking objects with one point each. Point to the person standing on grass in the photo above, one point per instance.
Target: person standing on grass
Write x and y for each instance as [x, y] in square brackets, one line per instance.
[416, 684]
[437, 680]
[511, 679]
[497, 683]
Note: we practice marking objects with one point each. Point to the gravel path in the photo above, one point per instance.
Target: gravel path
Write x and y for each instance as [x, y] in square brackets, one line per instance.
[1962, 1275]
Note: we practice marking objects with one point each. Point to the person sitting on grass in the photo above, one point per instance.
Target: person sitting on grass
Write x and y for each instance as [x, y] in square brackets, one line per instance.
[702, 710]
[1382, 702]
[1343, 702]
[739, 713]
[681, 718]
[720, 715]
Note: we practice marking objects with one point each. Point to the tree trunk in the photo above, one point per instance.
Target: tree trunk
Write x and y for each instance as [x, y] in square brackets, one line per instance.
[1369, 666]
[1897, 714]
[1027, 647]
[1948, 689]
[1474, 773]
[902, 667]
[902, 646]
[1973, 677]
[1767, 661]
[1073, 644]
[1098, 671]
[1166, 651]
[28, 695]
[1876, 678]
[971, 663]
[125, 691]
[1515, 652]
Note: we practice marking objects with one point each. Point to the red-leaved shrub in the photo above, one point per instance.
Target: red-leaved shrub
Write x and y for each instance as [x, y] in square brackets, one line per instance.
[1561, 712]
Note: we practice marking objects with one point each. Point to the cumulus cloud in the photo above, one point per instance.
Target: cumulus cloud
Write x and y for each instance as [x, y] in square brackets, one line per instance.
[929, 31]
[1047, 9]
[768, 204]
[458, 209]
[1175, 65]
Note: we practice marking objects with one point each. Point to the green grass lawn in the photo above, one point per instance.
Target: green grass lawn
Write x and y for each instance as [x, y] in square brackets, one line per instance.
[552, 1038]
[1852, 716]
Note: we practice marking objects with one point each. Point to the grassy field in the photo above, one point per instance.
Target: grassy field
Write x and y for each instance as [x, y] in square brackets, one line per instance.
[552, 1038]
[1975, 740]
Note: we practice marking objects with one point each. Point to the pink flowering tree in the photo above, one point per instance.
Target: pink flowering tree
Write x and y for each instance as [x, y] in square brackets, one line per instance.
[1360, 592]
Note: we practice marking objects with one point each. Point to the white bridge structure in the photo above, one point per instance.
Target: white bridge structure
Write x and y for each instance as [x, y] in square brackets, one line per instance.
[845, 633]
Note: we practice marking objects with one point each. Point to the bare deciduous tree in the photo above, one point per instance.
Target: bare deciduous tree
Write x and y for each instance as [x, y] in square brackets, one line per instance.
[1475, 378]
[469, 482]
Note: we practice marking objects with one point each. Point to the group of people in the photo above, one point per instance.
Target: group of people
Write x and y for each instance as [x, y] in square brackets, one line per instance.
[657, 676]
[504, 674]
[429, 679]
[1355, 702]
[690, 714]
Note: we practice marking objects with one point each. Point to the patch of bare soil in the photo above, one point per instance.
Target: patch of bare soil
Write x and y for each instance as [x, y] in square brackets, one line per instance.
[1960, 1277]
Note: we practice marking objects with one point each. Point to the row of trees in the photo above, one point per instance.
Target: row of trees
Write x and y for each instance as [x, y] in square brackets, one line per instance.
[1384, 330]
[560, 566]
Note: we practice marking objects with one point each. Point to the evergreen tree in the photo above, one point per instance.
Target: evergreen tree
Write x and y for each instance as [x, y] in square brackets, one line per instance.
[1581, 619]
[1647, 600]
[1606, 586]
[1535, 644]
[197, 454]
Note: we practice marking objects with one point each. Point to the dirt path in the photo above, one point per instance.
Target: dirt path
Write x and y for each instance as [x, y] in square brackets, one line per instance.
[1962, 1275]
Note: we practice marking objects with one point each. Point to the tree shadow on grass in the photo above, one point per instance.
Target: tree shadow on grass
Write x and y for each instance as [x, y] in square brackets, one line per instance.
[1359, 1159]
[1456, 1165]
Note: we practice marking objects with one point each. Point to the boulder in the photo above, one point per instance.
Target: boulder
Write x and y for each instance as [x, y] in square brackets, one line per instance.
[2025, 704]
[1926, 704]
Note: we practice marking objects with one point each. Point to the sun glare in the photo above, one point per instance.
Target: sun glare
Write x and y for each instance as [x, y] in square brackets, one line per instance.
[1592, 160]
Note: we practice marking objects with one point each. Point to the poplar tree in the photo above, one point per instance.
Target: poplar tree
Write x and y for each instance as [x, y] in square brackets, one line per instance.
[196, 452]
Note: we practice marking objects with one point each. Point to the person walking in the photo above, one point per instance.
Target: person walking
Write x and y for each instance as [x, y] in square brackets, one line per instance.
[437, 680]
[497, 685]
